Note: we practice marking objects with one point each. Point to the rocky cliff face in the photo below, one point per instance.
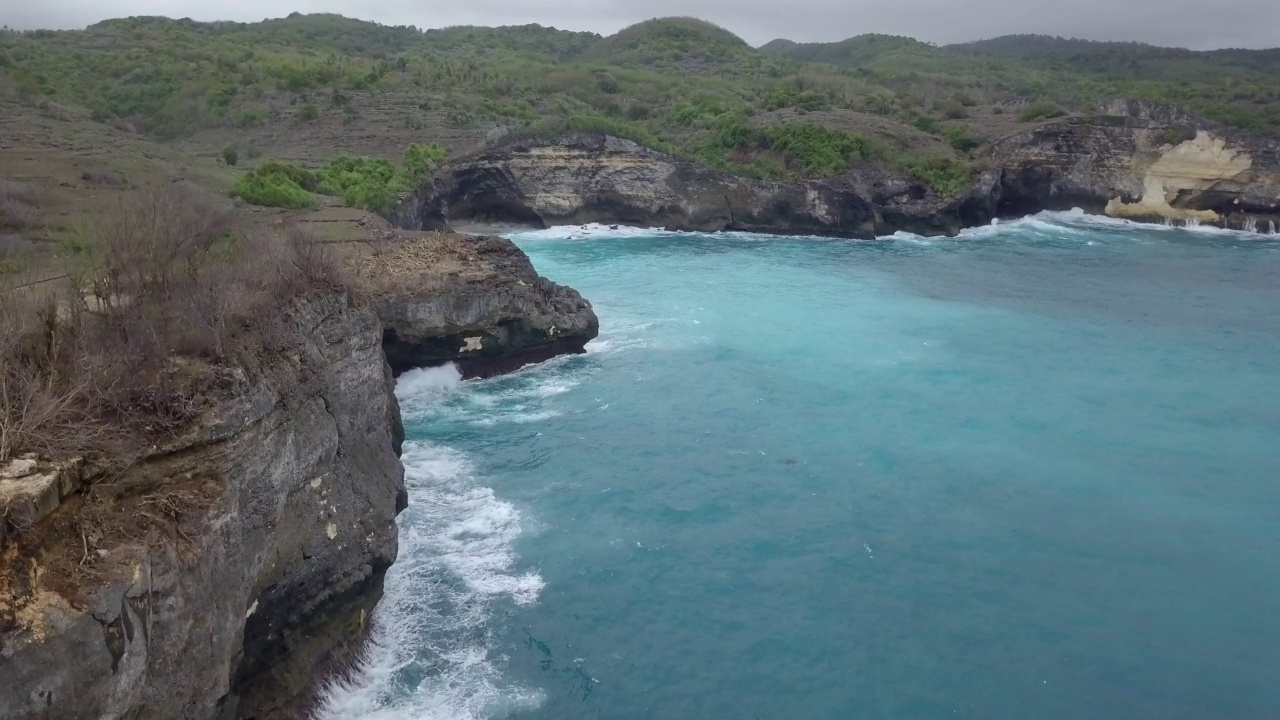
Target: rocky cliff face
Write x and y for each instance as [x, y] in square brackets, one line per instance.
[1145, 162]
[474, 301]
[227, 572]
[220, 573]
[1134, 159]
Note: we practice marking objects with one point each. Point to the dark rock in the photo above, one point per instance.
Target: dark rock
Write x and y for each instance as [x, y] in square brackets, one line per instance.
[265, 585]
[492, 318]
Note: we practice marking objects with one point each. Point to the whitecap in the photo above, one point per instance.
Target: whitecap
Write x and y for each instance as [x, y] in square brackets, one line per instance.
[429, 657]
[419, 390]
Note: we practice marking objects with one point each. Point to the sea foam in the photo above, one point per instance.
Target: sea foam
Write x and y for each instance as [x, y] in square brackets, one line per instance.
[429, 657]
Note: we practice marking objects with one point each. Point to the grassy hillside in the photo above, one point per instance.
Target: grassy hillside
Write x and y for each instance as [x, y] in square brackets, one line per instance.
[310, 87]
[1236, 87]
[307, 87]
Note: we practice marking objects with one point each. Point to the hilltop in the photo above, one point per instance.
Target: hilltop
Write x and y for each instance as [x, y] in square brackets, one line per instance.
[307, 88]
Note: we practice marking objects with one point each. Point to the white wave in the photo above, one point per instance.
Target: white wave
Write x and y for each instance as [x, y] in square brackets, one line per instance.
[1051, 221]
[586, 232]
[420, 390]
[516, 417]
[429, 658]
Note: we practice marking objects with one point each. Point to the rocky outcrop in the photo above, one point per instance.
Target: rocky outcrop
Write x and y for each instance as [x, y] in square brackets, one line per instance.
[583, 178]
[1141, 161]
[220, 574]
[473, 301]
[1131, 159]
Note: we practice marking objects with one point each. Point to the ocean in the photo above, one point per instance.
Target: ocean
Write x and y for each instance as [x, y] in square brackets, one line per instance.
[1029, 472]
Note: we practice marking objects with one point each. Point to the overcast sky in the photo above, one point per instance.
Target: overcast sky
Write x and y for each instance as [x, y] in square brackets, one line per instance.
[1187, 23]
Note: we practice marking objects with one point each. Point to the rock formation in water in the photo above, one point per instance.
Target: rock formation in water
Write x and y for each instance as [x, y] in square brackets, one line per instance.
[477, 302]
[1131, 159]
[224, 573]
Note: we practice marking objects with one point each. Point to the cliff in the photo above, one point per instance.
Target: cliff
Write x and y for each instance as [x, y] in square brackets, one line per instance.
[222, 562]
[1142, 161]
[474, 301]
[226, 572]
[1130, 159]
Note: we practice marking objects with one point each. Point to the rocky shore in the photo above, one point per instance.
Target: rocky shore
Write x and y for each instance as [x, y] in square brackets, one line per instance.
[226, 573]
[1130, 159]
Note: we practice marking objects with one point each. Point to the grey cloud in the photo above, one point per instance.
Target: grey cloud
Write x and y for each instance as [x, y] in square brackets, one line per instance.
[1184, 23]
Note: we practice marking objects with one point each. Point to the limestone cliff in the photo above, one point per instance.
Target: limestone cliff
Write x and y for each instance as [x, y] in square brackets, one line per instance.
[226, 571]
[1142, 161]
[474, 301]
[1131, 159]
[584, 178]
[217, 571]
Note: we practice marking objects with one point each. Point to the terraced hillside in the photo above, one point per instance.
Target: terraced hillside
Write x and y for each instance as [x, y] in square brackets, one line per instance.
[308, 87]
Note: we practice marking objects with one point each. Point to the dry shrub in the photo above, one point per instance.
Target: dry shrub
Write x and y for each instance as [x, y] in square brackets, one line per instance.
[17, 204]
[125, 360]
[110, 178]
[57, 112]
[47, 384]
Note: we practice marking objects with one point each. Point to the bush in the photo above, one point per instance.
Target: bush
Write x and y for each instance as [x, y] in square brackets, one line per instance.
[230, 156]
[122, 360]
[944, 175]
[109, 178]
[1039, 111]
[960, 139]
[269, 187]
[17, 205]
[419, 162]
[57, 112]
[927, 124]
[372, 184]
[820, 151]
[250, 118]
[308, 113]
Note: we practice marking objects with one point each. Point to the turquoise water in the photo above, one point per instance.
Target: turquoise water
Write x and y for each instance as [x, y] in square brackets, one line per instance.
[1031, 472]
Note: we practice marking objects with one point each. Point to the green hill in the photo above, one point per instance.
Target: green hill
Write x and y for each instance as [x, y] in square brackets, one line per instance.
[307, 87]
[1236, 87]
[677, 44]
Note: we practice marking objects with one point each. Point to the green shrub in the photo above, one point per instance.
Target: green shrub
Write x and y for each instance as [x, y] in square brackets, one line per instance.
[270, 190]
[230, 157]
[820, 151]
[250, 118]
[927, 124]
[418, 162]
[959, 138]
[944, 175]
[308, 112]
[1038, 111]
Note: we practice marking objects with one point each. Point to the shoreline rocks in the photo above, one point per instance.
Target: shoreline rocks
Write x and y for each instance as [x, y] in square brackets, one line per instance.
[1133, 160]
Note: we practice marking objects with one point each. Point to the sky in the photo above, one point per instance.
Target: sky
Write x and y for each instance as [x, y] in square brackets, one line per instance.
[1180, 23]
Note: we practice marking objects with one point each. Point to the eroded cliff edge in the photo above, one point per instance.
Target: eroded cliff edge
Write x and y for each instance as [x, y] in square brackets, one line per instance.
[226, 572]
[1129, 159]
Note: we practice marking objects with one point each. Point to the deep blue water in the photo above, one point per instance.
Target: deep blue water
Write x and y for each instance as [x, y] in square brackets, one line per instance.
[1032, 472]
